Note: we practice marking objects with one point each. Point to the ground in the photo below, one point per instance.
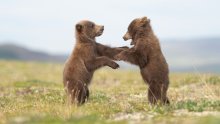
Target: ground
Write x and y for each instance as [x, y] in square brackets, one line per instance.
[32, 92]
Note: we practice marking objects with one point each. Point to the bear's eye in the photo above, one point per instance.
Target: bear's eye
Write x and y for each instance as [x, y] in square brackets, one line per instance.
[92, 25]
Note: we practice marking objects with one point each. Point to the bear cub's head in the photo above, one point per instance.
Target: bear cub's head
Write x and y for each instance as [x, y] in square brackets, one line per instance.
[89, 29]
[137, 27]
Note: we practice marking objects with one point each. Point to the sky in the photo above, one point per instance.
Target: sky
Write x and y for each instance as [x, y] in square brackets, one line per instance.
[48, 25]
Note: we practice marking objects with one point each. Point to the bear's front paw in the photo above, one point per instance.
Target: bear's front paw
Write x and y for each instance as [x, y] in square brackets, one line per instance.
[114, 65]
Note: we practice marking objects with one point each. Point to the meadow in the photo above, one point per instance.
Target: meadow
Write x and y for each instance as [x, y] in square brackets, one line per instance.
[32, 92]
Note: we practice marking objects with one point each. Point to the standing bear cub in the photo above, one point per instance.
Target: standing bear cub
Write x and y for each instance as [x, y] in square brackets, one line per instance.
[86, 57]
[147, 54]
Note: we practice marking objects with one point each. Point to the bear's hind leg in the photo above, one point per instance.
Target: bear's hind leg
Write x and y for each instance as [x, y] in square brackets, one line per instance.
[153, 95]
[157, 92]
[79, 93]
[165, 99]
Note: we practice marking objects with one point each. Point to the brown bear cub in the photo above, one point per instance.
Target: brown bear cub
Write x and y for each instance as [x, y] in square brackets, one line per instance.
[86, 57]
[147, 54]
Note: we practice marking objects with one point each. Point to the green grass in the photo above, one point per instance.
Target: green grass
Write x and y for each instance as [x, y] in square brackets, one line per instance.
[32, 92]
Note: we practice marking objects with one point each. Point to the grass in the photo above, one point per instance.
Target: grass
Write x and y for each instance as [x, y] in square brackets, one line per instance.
[32, 92]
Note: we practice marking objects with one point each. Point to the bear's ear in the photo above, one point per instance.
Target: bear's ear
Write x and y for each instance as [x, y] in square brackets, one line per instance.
[79, 27]
[144, 19]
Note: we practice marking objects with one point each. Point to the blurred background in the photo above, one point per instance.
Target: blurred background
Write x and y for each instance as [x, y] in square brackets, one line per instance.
[43, 30]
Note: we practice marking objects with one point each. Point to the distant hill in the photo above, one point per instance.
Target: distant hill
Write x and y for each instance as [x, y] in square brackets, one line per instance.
[15, 52]
[193, 55]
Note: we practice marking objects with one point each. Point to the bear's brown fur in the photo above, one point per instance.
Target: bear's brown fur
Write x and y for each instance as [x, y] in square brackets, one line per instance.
[147, 54]
[86, 57]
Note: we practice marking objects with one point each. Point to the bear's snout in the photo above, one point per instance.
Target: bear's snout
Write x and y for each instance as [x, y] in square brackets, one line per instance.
[102, 28]
[127, 36]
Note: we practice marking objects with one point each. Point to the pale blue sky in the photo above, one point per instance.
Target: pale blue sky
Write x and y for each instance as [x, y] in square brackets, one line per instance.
[48, 25]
